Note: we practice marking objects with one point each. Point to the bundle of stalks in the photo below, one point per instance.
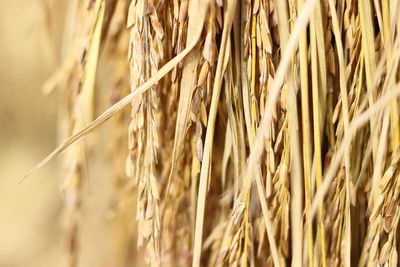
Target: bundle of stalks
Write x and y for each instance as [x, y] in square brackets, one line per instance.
[261, 132]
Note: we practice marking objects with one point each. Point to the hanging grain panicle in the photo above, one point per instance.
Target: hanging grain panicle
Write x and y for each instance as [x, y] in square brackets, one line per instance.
[145, 53]
[81, 78]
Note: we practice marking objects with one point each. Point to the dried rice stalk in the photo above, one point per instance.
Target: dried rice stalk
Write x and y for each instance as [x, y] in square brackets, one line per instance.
[242, 111]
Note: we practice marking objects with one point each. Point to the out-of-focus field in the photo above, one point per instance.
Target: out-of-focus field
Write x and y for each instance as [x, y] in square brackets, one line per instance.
[30, 213]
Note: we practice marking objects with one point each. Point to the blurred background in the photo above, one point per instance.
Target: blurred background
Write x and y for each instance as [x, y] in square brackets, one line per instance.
[30, 213]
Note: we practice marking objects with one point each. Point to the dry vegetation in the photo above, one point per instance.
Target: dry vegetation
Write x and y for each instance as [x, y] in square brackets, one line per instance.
[258, 133]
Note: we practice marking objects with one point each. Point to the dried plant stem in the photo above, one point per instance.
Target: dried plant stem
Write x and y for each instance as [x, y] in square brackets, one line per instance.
[253, 119]
[306, 137]
[345, 106]
[317, 137]
[295, 164]
[368, 49]
[395, 129]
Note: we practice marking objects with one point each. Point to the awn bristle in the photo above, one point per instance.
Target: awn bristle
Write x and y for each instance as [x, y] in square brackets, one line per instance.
[261, 132]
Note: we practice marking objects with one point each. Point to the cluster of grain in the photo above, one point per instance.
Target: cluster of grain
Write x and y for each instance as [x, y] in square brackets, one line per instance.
[261, 132]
